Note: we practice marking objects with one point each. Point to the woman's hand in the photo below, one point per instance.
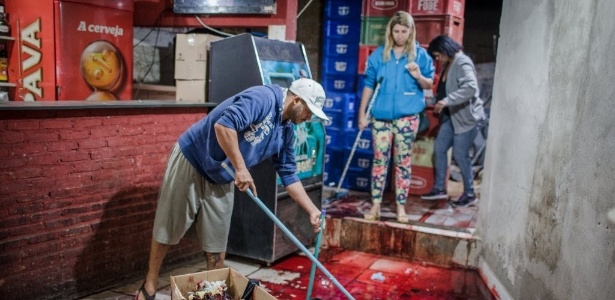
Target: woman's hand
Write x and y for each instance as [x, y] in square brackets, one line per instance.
[414, 70]
[440, 105]
[363, 123]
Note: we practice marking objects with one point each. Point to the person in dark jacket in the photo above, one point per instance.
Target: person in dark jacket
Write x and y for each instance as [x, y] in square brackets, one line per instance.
[461, 114]
[242, 131]
[403, 70]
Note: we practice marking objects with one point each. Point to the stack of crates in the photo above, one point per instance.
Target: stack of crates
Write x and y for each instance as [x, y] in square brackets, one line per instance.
[360, 167]
[340, 108]
[339, 73]
[431, 18]
[436, 17]
[341, 34]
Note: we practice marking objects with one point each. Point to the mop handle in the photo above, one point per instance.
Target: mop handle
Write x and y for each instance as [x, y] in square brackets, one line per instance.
[291, 236]
[316, 250]
[354, 147]
[356, 140]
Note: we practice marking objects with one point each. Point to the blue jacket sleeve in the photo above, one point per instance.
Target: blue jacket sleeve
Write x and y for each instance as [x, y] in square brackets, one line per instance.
[284, 162]
[425, 63]
[374, 61]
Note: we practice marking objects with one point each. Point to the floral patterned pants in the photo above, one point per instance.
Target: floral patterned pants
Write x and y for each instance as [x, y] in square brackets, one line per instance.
[395, 137]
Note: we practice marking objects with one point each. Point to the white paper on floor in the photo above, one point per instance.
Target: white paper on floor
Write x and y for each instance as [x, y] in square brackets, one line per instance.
[274, 276]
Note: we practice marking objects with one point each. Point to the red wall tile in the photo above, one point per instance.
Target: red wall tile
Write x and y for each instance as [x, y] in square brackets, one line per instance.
[78, 194]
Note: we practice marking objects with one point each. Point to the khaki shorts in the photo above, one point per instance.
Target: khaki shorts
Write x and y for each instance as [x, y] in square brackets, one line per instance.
[187, 199]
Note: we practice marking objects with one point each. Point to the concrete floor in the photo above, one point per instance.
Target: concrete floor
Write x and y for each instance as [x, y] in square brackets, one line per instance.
[364, 275]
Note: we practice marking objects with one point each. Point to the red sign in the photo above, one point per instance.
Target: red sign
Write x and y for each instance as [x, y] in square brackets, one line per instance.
[70, 50]
[437, 7]
[383, 8]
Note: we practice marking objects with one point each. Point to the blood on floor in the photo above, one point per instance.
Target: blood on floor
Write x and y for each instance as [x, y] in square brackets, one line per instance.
[369, 276]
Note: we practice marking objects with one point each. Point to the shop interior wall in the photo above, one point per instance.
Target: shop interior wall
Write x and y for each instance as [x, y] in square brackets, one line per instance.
[154, 46]
[481, 21]
[309, 33]
[154, 61]
[550, 169]
[78, 197]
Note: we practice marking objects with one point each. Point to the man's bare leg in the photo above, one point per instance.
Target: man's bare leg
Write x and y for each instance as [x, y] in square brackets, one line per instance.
[156, 256]
[214, 260]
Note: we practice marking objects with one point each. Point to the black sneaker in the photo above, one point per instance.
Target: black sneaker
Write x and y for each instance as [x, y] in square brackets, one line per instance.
[435, 194]
[466, 200]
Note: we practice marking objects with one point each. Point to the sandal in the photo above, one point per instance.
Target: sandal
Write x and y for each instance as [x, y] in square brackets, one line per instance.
[143, 291]
[370, 216]
[403, 219]
[373, 214]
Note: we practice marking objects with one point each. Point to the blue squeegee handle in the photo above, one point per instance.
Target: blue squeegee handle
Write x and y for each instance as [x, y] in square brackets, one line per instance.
[292, 237]
[316, 250]
[356, 140]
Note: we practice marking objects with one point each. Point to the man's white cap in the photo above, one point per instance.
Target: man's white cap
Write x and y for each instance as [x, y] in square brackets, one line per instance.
[312, 93]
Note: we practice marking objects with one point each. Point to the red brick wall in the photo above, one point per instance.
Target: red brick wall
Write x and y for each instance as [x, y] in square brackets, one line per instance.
[78, 191]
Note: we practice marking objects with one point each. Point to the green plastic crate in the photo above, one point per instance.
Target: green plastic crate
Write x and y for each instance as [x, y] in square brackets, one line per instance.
[373, 30]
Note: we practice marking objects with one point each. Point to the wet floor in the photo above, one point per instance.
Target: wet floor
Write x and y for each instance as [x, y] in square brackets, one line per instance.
[368, 276]
[441, 214]
[363, 275]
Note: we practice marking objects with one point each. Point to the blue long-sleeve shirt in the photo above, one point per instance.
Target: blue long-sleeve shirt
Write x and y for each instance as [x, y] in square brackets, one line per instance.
[256, 115]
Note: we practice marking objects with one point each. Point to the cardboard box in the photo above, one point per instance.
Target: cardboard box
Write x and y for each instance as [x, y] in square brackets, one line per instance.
[190, 90]
[236, 283]
[191, 55]
[142, 91]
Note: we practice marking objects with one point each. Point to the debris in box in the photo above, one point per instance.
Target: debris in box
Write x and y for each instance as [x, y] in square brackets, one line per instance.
[210, 290]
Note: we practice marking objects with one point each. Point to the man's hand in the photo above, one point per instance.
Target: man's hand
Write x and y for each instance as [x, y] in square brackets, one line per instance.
[244, 181]
[297, 192]
[315, 220]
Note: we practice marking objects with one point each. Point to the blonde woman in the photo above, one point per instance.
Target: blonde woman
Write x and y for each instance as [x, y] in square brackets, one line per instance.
[403, 69]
